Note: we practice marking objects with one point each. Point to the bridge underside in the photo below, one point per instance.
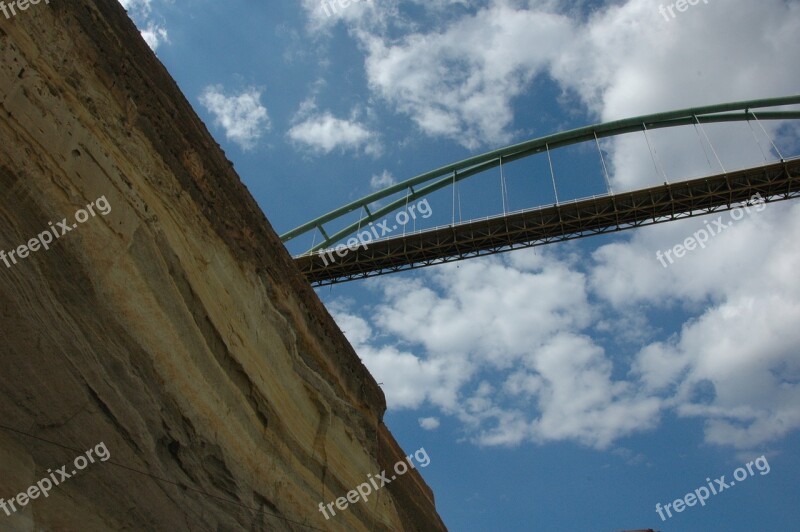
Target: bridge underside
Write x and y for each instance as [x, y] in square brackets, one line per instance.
[549, 224]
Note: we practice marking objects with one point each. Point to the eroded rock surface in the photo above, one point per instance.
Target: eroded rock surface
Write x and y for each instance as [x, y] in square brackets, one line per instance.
[174, 328]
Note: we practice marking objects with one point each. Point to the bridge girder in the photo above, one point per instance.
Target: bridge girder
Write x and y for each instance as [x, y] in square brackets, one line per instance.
[556, 223]
[455, 172]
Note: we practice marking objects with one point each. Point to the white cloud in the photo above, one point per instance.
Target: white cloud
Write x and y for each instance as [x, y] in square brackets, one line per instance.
[382, 180]
[152, 32]
[322, 16]
[503, 345]
[325, 133]
[627, 60]
[631, 61]
[407, 379]
[154, 35]
[459, 82]
[522, 320]
[142, 6]
[429, 423]
[462, 77]
[482, 319]
[735, 365]
[570, 378]
[241, 115]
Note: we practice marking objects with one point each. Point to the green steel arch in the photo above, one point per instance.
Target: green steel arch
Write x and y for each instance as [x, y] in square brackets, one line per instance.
[460, 170]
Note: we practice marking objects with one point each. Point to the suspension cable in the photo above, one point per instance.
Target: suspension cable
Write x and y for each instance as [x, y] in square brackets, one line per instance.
[755, 138]
[503, 191]
[653, 154]
[767, 135]
[552, 174]
[602, 160]
[710, 145]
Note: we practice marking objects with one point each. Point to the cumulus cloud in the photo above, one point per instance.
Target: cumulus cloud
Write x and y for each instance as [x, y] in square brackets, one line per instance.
[141, 6]
[324, 14]
[536, 349]
[429, 423]
[524, 319]
[323, 133]
[512, 347]
[154, 33]
[382, 180]
[462, 76]
[460, 82]
[735, 365]
[241, 115]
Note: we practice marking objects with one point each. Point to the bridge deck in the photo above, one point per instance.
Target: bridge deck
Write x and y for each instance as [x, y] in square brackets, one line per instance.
[555, 223]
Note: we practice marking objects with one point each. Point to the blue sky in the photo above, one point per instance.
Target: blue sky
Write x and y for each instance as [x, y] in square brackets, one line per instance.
[570, 387]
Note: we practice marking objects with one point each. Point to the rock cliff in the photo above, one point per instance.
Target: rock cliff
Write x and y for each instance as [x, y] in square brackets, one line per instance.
[164, 319]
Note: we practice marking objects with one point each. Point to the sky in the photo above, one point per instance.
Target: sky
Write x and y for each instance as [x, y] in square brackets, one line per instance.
[574, 386]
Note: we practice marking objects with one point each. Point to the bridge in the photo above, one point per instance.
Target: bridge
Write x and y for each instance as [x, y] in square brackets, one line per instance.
[327, 263]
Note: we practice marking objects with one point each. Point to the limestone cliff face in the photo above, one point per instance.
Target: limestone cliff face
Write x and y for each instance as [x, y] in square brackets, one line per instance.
[173, 328]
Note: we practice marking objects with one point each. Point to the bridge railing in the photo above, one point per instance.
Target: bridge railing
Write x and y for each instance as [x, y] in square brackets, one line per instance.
[507, 214]
[456, 172]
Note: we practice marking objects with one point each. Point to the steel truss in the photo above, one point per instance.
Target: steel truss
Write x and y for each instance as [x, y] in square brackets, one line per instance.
[556, 223]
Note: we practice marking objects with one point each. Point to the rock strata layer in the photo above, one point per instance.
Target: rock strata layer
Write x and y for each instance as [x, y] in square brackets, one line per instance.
[165, 319]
